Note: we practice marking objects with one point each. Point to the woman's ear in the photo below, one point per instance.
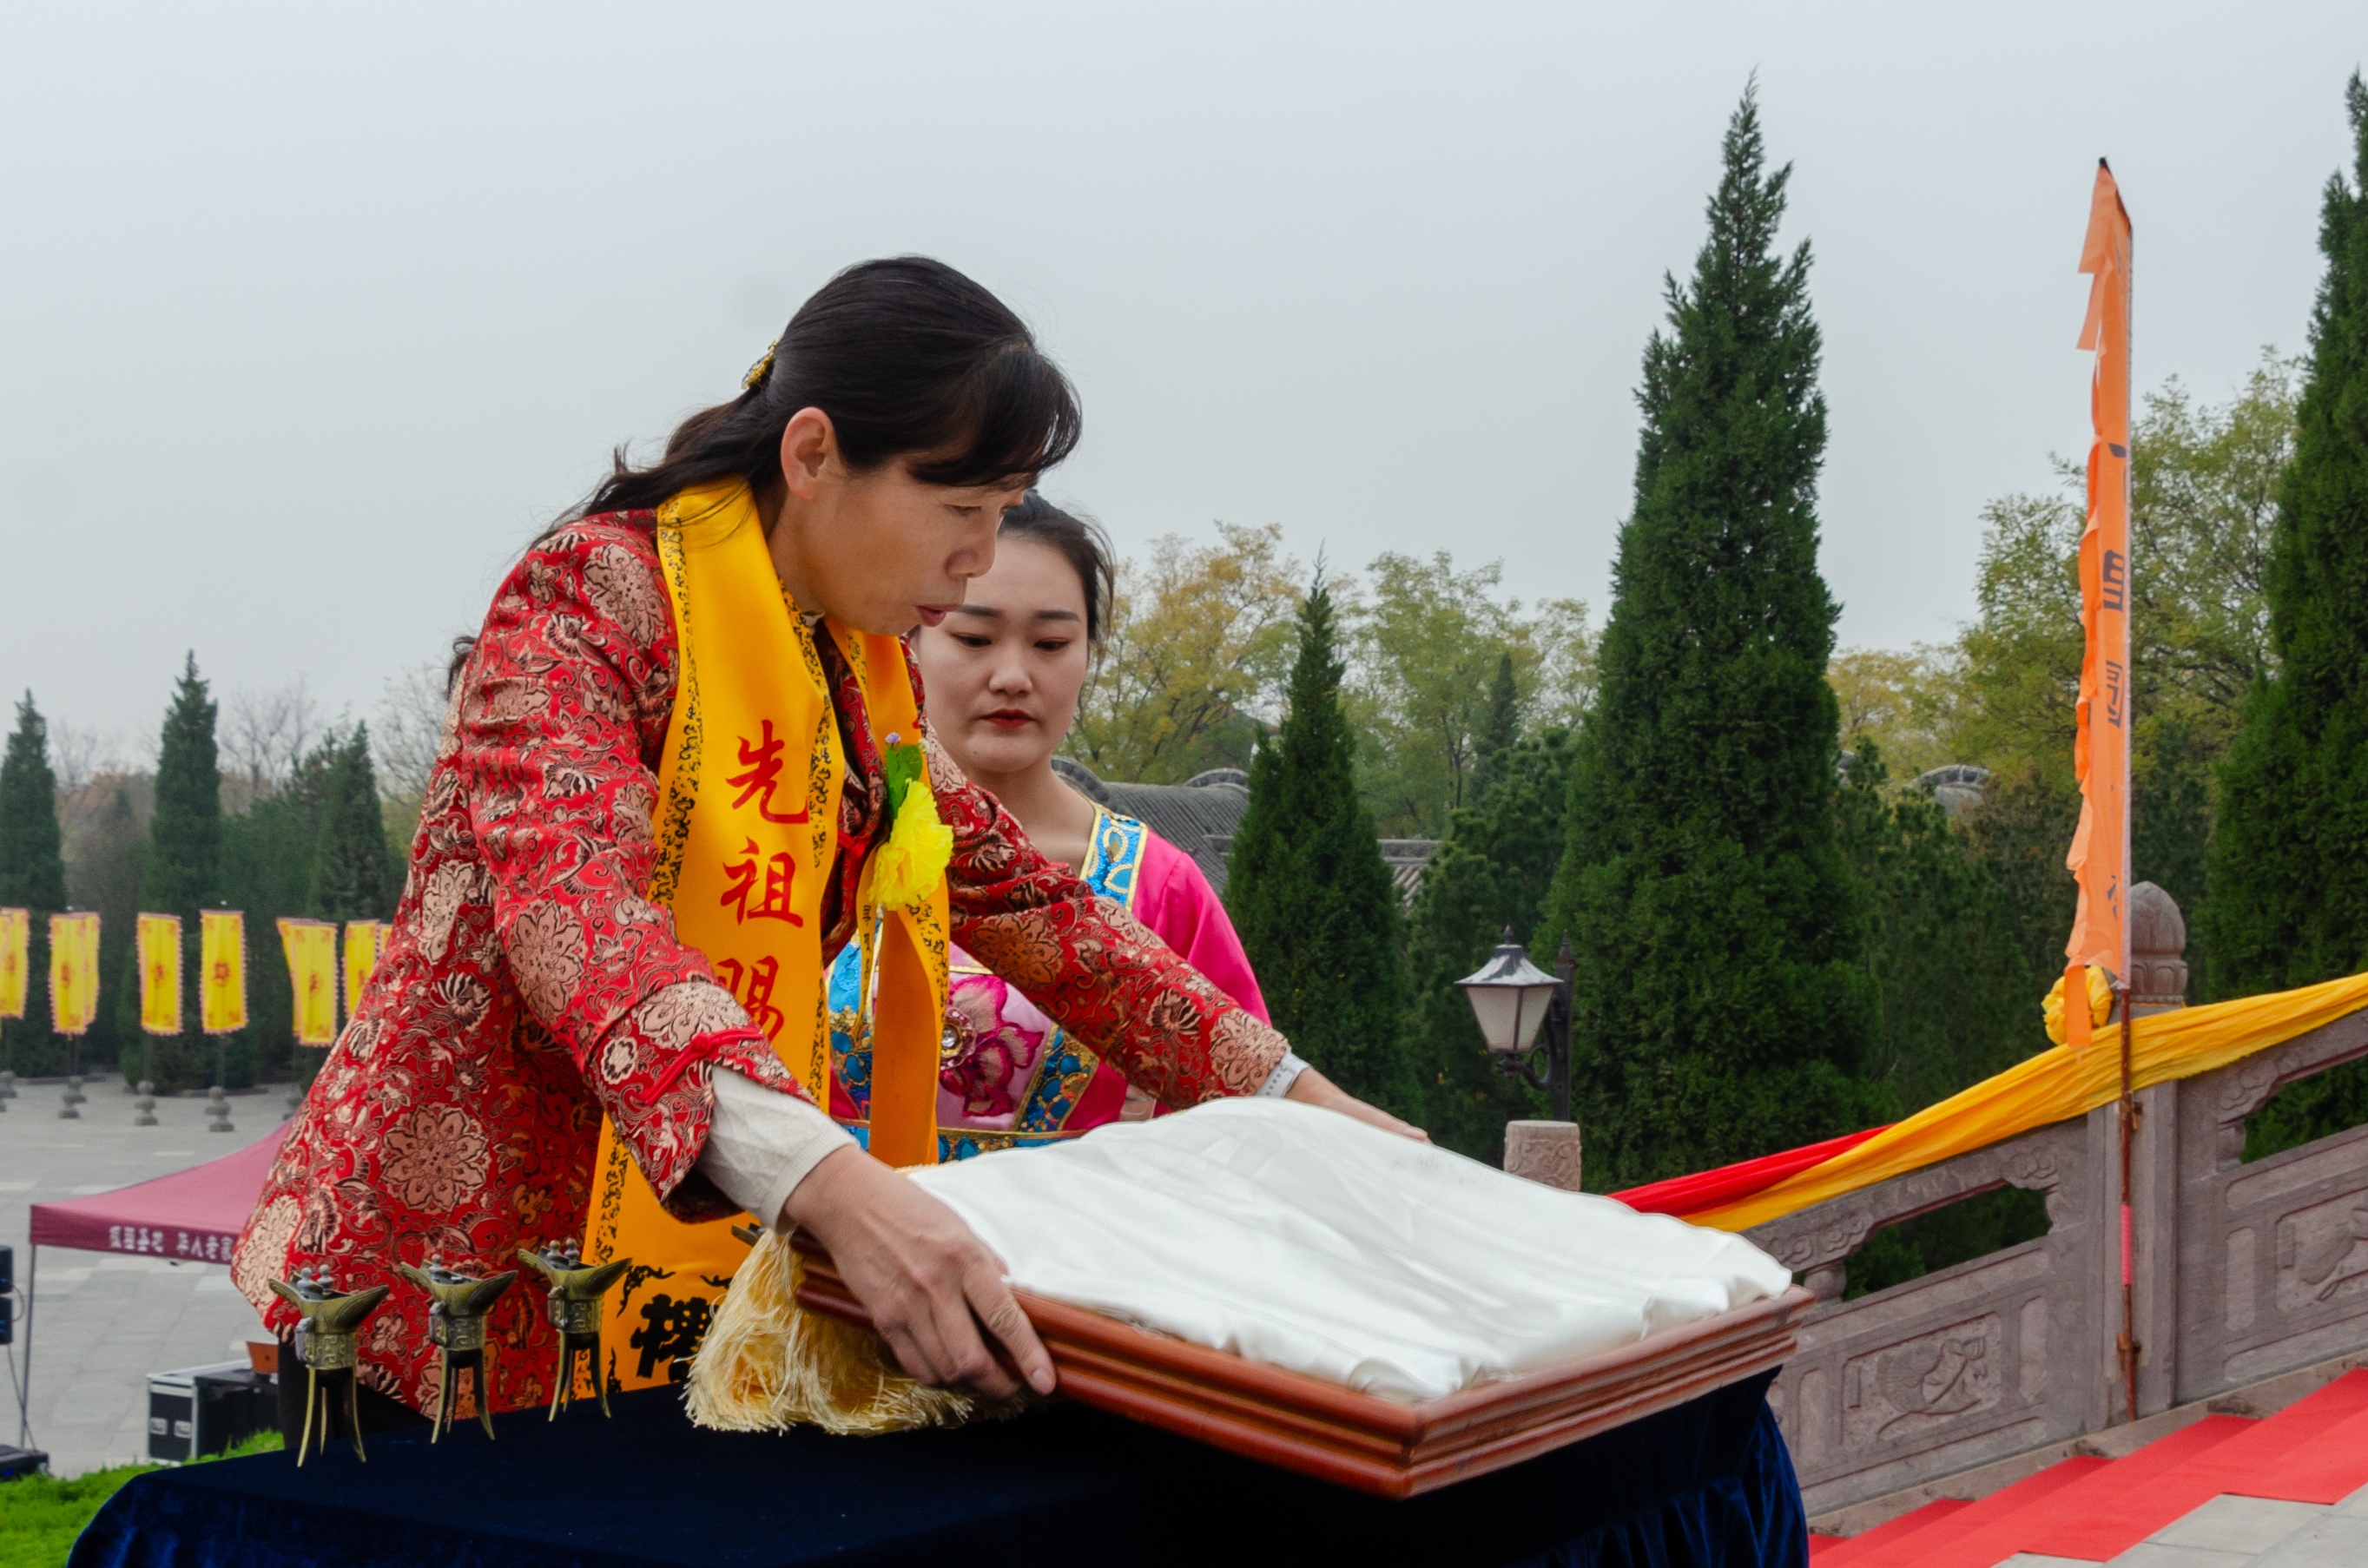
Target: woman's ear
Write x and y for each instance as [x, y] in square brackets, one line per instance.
[809, 452]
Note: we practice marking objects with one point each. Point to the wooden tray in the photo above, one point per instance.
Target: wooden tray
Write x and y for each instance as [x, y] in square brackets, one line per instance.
[1360, 1439]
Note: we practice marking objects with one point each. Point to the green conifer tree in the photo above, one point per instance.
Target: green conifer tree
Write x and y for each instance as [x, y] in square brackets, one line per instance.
[1491, 872]
[32, 878]
[1500, 726]
[1720, 1013]
[351, 880]
[183, 872]
[1308, 890]
[2288, 862]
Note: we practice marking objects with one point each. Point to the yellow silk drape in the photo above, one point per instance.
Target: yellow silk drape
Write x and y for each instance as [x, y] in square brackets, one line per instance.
[2053, 1086]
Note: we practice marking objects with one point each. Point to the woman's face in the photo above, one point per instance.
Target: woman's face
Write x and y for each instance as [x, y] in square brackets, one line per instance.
[1004, 670]
[879, 549]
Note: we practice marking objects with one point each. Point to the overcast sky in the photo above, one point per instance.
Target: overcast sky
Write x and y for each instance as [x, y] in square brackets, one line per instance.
[310, 318]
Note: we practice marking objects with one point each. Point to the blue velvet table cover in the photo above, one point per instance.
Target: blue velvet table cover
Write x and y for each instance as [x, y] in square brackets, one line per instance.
[1707, 1482]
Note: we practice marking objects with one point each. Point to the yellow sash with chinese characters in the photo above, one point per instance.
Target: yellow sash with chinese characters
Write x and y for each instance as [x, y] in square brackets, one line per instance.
[748, 832]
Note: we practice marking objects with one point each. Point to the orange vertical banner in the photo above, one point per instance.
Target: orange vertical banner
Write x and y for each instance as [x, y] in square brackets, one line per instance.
[2100, 847]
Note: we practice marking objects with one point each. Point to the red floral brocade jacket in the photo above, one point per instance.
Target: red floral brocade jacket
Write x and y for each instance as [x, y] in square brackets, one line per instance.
[528, 987]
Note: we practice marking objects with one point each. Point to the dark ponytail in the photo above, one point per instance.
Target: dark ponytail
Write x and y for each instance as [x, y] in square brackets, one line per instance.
[1080, 543]
[909, 358]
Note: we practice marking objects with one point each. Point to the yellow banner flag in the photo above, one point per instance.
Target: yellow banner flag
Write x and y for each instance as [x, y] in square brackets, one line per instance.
[160, 973]
[15, 955]
[312, 947]
[74, 973]
[362, 940]
[222, 958]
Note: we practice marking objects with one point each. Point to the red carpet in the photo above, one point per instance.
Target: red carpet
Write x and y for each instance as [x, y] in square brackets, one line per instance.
[2329, 1469]
[1860, 1548]
[1919, 1543]
[2255, 1462]
[1973, 1543]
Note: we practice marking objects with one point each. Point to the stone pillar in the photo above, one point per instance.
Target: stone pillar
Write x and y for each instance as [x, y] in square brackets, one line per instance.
[2158, 952]
[1547, 1152]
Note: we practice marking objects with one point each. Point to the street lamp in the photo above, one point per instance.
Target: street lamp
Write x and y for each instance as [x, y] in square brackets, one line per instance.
[1512, 999]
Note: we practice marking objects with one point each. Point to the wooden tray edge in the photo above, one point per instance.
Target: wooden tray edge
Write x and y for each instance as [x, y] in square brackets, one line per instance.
[1361, 1440]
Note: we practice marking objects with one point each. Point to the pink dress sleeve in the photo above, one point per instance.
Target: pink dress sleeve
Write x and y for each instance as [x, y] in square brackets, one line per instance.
[1174, 899]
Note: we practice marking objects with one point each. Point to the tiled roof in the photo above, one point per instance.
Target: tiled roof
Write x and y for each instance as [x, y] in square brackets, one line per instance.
[1197, 816]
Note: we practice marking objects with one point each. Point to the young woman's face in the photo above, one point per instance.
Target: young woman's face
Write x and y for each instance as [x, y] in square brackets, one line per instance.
[1003, 671]
[880, 550]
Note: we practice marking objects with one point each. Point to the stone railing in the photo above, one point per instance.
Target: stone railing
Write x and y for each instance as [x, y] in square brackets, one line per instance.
[2240, 1272]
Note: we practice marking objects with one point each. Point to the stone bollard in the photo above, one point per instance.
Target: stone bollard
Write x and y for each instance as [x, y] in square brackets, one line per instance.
[221, 1109]
[146, 1104]
[7, 1089]
[72, 1097]
[1544, 1152]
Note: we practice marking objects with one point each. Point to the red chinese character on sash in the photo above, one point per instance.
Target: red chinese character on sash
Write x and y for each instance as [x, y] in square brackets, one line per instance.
[773, 903]
[763, 761]
[757, 995]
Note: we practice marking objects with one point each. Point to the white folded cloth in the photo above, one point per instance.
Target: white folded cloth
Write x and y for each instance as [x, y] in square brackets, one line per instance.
[1304, 1239]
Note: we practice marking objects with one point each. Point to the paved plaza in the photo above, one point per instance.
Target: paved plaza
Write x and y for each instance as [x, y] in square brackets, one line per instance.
[103, 1321]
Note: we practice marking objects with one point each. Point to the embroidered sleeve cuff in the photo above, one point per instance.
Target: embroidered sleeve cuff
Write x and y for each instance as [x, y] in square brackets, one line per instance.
[1286, 1072]
[762, 1143]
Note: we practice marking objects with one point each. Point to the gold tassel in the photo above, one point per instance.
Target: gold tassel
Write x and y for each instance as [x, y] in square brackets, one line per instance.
[768, 1364]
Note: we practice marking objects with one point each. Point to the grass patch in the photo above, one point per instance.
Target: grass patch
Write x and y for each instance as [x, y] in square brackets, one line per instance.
[40, 1515]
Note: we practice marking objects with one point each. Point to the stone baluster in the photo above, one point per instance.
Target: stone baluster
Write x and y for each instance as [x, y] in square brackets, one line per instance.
[2158, 952]
[1544, 1152]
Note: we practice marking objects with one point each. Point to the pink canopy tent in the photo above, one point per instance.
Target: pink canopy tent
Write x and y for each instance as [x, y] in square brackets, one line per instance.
[192, 1216]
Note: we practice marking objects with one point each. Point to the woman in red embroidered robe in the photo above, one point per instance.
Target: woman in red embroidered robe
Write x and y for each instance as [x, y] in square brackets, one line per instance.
[528, 986]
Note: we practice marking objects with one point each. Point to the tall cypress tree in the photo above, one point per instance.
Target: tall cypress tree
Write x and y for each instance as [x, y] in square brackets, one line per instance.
[1491, 872]
[1500, 726]
[1720, 1014]
[32, 877]
[351, 880]
[2288, 866]
[183, 872]
[1308, 889]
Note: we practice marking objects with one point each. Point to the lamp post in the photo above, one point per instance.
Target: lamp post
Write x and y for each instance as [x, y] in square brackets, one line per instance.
[1513, 1000]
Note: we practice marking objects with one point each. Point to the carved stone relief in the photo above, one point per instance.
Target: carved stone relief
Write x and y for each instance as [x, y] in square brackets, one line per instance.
[1902, 1392]
[2323, 1253]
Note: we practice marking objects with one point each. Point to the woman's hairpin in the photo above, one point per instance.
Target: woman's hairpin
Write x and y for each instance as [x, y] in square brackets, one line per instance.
[761, 368]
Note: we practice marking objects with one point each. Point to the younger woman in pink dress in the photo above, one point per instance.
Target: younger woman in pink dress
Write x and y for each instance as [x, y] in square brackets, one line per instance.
[1003, 676]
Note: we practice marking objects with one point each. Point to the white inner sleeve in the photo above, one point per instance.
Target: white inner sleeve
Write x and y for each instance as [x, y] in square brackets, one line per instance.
[761, 1144]
[1286, 1072]
[1305, 1239]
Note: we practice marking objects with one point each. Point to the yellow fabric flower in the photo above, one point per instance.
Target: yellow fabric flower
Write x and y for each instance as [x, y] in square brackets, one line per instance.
[2100, 1004]
[919, 848]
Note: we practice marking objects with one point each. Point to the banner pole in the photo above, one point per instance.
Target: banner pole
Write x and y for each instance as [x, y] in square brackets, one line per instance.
[2129, 1110]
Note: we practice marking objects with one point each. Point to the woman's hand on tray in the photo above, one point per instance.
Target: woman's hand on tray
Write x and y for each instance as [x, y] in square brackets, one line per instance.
[1312, 1087]
[934, 1292]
